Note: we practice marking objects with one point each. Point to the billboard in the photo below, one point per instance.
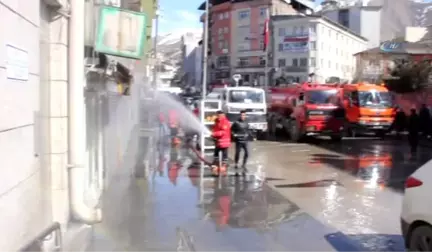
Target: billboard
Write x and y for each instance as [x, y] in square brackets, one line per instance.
[297, 44]
[121, 32]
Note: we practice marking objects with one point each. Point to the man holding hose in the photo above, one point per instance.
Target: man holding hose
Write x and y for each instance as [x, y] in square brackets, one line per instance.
[222, 135]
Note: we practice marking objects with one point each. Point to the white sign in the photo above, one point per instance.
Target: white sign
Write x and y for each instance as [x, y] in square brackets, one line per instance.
[17, 63]
[236, 77]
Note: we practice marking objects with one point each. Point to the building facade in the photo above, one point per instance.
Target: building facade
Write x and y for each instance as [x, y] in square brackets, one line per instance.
[359, 20]
[312, 44]
[37, 187]
[191, 59]
[236, 36]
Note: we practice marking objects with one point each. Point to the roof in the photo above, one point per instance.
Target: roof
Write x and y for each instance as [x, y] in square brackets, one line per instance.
[405, 48]
[305, 3]
[367, 87]
[286, 17]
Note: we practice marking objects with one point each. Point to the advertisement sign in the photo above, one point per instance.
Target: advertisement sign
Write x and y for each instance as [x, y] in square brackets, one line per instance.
[390, 46]
[121, 32]
[295, 44]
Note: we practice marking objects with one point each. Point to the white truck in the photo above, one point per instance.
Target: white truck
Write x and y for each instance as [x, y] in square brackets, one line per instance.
[249, 99]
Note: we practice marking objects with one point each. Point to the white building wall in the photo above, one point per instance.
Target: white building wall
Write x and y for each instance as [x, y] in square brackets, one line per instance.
[24, 191]
[360, 20]
[333, 53]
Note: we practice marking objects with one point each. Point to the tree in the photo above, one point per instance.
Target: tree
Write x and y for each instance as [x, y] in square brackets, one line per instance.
[408, 76]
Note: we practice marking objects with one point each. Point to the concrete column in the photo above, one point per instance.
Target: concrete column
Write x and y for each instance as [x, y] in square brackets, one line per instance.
[58, 116]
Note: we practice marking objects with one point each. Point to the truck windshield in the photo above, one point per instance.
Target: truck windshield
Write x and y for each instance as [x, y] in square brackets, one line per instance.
[322, 97]
[246, 96]
[374, 99]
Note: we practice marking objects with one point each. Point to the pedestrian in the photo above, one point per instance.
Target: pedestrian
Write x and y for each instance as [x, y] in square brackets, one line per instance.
[413, 130]
[240, 130]
[222, 135]
[425, 119]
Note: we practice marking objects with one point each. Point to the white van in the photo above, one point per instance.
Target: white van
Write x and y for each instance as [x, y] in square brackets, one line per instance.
[250, 99]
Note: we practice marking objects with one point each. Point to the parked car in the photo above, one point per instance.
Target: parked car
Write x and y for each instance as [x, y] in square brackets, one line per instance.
[416, 216]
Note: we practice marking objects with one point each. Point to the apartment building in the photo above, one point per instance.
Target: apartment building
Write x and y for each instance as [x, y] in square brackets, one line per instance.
[313, 44]
[220, 41]
[359, 20]
[248, 57]
[236, 35]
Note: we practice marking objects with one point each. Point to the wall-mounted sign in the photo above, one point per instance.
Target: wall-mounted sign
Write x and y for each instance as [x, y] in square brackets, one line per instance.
[121, 32]
[390, 46]
[295, 44]
[17, 63]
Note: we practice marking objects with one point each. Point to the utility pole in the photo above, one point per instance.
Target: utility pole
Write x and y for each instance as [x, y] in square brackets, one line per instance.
[155, 51]
[267, 35]
[205, 48]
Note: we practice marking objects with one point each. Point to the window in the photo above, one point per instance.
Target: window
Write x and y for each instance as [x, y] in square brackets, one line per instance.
[281, 62]
[303, 62]
[329, 64]
[343, 17]
[337, 66]
[220, 30]
[263, 12]
[221, 16]
[281, 31]
[312, 62]
[322, 62]
[220, 44]
[225, 44]
[337, 51]
[243, 14]
[312, 28]
[243, 61]
[337, 36]
[302, 30]
[294, 32]
[295, 62]
[280, 47]
[222, 61]
[330, 33]
[312, 45]
[262, 61]
[261, 44]
[225, 29]
[322, 45]
[226, 15]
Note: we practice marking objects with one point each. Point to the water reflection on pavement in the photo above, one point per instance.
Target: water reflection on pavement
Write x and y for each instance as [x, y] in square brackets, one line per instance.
[308, 200]
[236, 214]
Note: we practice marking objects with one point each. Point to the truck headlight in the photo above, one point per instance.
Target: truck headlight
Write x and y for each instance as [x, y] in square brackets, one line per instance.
[362, 122]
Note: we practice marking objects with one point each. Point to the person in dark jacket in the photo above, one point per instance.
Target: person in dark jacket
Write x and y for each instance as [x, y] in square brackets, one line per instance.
[240, 131]
[413, 130]
[425, 120]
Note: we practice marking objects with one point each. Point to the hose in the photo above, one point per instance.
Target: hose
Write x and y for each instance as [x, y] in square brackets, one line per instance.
[199, 155]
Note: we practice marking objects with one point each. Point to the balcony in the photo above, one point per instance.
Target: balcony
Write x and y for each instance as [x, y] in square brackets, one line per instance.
[251, 65]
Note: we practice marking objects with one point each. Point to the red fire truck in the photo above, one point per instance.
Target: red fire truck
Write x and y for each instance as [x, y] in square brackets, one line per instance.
[307, 109]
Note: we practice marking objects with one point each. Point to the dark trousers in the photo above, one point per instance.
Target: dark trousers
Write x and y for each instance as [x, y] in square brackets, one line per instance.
[413, 141]
[224, 153]
[239, 146]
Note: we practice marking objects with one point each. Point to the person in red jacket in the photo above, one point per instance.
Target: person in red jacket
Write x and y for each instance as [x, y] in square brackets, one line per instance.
[222, 135]
[173, 122]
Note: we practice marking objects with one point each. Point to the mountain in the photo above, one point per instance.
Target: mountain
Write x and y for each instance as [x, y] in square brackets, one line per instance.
[170, 45]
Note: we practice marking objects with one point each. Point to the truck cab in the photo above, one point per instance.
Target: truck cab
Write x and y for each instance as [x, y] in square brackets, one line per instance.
[368, 108]
[250, 99]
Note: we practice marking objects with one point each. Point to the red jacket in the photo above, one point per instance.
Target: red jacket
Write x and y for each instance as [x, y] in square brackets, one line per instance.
[222, 133]
[173, 119]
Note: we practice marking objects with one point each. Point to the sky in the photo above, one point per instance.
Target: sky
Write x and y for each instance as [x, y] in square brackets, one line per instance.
[183, 15]
[178, 15]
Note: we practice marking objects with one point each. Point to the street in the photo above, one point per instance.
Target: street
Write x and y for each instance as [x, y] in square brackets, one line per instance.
[320, 196]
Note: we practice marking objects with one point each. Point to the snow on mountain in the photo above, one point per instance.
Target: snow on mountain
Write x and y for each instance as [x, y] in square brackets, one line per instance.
[169, 46]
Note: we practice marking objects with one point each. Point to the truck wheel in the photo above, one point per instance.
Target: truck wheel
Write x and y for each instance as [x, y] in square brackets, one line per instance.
[272, 130]
[336, 138]
[381, 134]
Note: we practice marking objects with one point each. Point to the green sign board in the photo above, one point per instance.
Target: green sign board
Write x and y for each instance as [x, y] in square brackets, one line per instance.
[121, 32]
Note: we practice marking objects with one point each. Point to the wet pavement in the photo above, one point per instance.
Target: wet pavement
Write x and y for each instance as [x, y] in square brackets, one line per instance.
[316, 197]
